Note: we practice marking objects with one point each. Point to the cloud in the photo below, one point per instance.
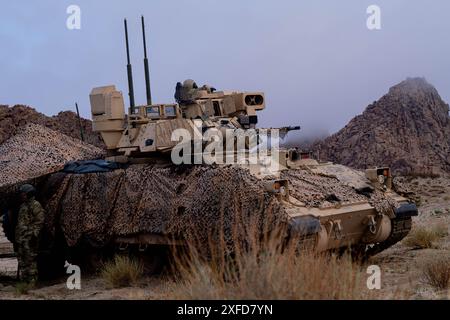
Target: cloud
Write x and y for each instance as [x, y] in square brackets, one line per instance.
[317, 62]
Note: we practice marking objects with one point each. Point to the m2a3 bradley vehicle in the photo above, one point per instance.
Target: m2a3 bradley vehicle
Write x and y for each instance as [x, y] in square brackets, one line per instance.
[331, 206]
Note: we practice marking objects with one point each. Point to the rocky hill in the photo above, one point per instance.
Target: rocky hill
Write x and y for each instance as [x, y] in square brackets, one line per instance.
[12, 118]
[407, 129]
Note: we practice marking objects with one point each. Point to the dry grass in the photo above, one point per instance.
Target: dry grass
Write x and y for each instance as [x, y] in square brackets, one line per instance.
[275, 277]
[267, 270]
[436, 271]
[423, 238]
[122, 272]
[22, 288]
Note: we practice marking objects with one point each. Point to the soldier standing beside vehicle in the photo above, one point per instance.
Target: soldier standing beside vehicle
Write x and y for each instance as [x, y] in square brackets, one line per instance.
[30, 222]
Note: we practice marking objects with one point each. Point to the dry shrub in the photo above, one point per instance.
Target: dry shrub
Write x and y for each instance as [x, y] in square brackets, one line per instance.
[423, 238]
[122, 272]
[436, 271]
[22, 288]
[266, 269]
[441, 230]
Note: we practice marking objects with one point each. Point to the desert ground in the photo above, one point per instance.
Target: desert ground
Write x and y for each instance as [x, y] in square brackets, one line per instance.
[402, 265]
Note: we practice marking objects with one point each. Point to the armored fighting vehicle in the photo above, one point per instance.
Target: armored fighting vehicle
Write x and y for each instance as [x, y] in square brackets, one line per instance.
[210, 127]
[203, 163]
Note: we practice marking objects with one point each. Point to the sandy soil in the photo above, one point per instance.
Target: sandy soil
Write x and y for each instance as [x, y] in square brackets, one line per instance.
[401, 265]
[92, 288]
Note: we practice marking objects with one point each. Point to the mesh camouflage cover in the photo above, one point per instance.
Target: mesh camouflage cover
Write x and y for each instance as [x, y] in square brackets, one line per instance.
[36, 151]
[193, 202]
[322, 190]
[183, 202]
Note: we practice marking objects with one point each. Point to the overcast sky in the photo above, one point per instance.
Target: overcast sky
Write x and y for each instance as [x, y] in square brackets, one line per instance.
[316, 60]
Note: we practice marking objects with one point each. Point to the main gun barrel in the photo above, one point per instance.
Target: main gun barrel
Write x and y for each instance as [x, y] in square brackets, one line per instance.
[292, 128]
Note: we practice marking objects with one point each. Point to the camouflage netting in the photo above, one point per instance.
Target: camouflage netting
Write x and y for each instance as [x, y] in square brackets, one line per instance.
[317, 190]
[146, 198]
[320, 190]
[402, 185]
[190, 202]
[36, 151]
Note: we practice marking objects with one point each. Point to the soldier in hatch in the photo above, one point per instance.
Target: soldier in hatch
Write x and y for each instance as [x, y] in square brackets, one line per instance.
[30, 222]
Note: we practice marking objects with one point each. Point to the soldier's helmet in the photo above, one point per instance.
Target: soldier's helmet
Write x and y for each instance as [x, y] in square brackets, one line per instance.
[27, 188]
[186, 92]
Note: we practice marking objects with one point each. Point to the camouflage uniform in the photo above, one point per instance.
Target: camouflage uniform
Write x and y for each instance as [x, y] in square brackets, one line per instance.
[29, 225]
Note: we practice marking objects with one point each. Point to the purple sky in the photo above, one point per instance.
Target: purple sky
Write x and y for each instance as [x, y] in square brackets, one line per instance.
[317, 62]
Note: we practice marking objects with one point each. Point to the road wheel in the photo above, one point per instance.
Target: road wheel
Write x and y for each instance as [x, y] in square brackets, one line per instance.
[152, 260]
